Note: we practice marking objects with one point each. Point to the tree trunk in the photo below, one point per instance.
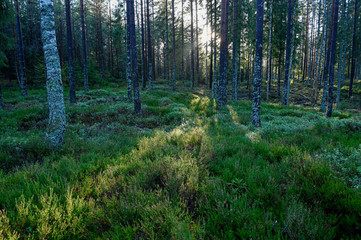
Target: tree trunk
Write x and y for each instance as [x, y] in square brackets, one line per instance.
[129, 65]
[269, 73]
[143, 49]
[183, 44]
[288, 53]
[57, 119]
[173, 28]
[167, 43]
[235, 51]
[211, 56]
[1, 98]
[333, 57]
[342, 56]
[256, 106]
[133, 46]
[353, 51]
[23, 87]
[197, 46]
[192, 47]
[327, 63]
[69, 37]
[150, 64]
[85, 61]
[215, 83]
[223, 57]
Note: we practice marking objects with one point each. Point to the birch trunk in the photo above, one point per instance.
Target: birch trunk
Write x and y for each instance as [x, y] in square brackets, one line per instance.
[57, 119]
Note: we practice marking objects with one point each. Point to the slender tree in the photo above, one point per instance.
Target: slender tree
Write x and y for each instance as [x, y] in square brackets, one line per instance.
[332, 57]
[69, 36]
[143, 48]
[342, 54]
[215, 83]
[288, 54]
[57, 120]
[129, 59]
[182, 29]
[353, 61]
[197, 46]
[269, 71]
[192, 46]
[256, 107]
[173, 36]
[133, 46]
[22, 68]
[223, 58]
[167, 43]
[83, 37]
[327, 63]
[150, 64]
[235, 51]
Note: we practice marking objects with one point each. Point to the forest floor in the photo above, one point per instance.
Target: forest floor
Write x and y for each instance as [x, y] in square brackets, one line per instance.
[181, 170]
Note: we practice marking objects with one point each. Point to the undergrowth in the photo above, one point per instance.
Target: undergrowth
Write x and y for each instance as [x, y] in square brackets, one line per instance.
[182, 169]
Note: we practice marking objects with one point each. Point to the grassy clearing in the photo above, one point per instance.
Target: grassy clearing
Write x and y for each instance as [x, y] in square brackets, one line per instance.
[180, 170]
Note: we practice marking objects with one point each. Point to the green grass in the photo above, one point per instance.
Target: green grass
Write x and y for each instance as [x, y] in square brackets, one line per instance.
[183, 169]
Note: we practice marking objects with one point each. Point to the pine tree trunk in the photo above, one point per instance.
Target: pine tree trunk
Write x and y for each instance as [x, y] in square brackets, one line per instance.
[197, 46]
[353, 51]
[183, 44]
[129, 65]
[235, 51]
[192, 46]
[57, 119]
[301, 53]
[110, 40]
[166, 43]
[269, 72]
[291, 60]
[85, 61]
[327, 63]
[211, 56]
[333, 57]
[223, 57]
[22, 69]
[150, 64]
[69, 36]
[143, 49]
[133, 46]
[256, 106]
[342, 56]
[215, 83]
[288, 53]
[173, 28]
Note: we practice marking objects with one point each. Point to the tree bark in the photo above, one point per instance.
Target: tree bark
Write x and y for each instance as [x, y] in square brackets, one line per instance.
[57, 119]
[22, 69]
[353, 51]
[167, 43]
[133, 46]
[288, 53]
[269, 72]
[215, 83]
[197, 46]
[192, 46]
[235, 51]
[150, 64]
[129, 58]
[173, 28]
[143, 49]
[333, 58]
[69, 37]
[85, 61]
[256, 106]
[327, 63]
[223, 57]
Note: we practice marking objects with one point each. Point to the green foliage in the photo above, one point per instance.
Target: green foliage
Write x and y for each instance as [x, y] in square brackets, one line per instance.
[180, 170]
